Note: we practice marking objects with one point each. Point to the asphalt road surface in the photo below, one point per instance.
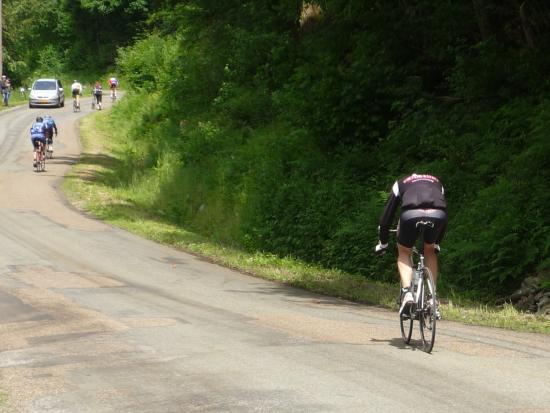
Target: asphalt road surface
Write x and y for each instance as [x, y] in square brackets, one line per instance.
[93, 319]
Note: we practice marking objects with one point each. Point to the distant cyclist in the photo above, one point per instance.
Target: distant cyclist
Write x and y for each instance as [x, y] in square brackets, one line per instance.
[113, 85]
[422, 199]
[38, 135]
[76, 88]
[98, 93]
[49, 129]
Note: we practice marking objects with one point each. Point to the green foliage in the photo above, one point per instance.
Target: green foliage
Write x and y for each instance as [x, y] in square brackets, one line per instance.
[67, 36]
[278, 125]
[280, 134]
[50, 61]
[145, 63]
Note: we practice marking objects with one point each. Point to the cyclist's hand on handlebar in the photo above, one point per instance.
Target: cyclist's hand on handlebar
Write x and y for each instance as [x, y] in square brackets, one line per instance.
[381, 249]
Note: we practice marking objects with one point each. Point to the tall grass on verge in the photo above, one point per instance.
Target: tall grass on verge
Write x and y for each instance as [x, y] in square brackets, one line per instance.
[108, 186]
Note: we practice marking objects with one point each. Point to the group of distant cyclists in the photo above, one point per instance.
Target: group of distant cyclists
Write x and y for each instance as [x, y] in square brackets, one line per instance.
[97, 92]
[44, 127]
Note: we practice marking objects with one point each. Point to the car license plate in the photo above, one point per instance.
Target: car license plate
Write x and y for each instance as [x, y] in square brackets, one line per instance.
[43, 101]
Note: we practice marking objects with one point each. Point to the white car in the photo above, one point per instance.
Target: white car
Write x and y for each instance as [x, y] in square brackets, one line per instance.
[47, 92]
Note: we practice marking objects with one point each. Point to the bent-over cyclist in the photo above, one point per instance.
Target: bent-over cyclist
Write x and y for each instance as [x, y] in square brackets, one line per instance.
[37, 136]
[49, 129]
[98, 93]
[76, 89]
[113, 85]
[422, 198]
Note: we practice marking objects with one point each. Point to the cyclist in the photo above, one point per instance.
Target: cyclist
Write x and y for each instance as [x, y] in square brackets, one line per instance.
[113, 85]
[98, 93]
[422, 198]
[49, 128]
[76, 88]
[37, 135]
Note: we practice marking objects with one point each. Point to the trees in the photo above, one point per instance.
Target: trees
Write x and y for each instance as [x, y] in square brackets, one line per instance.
[290, 130]
[288, 119]
[73, 35]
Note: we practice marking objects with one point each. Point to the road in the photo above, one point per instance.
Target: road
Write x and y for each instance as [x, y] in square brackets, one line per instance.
[94, 319]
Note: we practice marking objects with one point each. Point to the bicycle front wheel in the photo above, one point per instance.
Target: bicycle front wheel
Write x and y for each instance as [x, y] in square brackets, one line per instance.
[427, 310]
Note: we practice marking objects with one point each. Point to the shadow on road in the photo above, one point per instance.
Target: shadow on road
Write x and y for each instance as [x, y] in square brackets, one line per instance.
[398, 342]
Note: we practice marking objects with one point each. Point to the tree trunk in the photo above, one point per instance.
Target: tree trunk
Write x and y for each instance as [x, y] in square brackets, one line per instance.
[526, 26]
[482, 19]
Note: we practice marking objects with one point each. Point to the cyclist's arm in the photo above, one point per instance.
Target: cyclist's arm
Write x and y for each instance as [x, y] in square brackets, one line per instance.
[387, 216]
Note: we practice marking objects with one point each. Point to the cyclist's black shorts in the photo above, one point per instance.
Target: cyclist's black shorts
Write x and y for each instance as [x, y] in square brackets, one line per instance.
[98, 96]
[408, 232]
[76, 92]
[35, 141]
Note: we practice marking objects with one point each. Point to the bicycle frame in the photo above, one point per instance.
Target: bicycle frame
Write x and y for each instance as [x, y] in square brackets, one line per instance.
[418, 277]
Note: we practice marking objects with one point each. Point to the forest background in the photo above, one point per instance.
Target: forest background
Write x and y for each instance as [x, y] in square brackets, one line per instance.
[280, 126]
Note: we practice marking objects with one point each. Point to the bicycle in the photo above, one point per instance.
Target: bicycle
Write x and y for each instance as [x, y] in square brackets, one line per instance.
[93, 101]
[40, 163]
[424, 307]
[49, 147]
[76, 106]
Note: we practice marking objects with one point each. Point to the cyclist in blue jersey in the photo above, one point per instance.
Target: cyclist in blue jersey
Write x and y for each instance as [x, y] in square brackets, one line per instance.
[422, 199]
[37, 135]
[49, 128]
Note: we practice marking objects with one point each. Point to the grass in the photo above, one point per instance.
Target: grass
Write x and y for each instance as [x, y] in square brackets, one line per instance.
[15, 100]
[93, 186]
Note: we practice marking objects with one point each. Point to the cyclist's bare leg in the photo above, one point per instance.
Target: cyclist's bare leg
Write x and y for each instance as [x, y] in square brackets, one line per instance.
[404, 265]
[430, 258]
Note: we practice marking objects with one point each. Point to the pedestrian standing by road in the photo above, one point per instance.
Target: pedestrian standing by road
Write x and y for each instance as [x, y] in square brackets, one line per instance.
[6, 89]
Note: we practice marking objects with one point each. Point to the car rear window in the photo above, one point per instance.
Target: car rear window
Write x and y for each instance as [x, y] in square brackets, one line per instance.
[44, 85]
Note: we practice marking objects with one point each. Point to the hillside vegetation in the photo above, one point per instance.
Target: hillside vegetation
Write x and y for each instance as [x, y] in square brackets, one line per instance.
[281, 126]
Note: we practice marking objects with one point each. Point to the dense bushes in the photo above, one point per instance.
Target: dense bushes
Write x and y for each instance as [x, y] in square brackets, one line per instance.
[272, 134]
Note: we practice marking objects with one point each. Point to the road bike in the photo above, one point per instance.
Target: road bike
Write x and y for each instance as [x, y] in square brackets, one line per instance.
[76, 106]
[49, 147]
[40, 163]
[424, 308]
[113, 95]
[94, 101]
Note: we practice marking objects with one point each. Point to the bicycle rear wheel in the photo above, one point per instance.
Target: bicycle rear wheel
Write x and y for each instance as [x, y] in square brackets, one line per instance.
[42, 162]
[406, 322]
[427, 310]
